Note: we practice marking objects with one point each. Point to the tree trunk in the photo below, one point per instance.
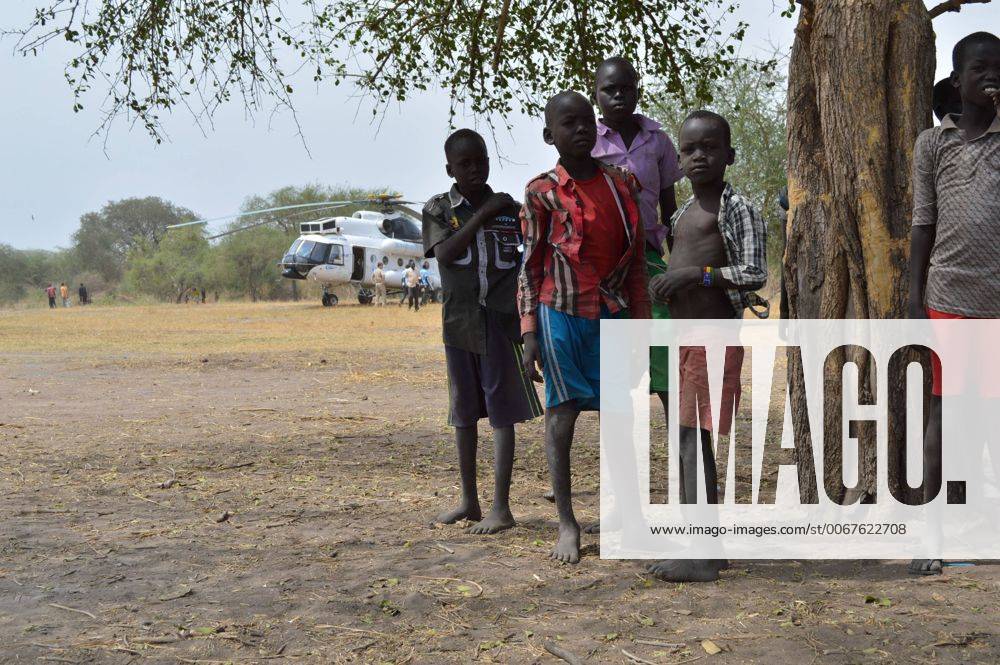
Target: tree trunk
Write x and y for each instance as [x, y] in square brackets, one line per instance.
[860, 82]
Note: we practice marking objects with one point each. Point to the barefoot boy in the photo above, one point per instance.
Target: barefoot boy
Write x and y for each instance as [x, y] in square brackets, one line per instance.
[717, 258]
[954, 270]
[474, 234]
[583, 261]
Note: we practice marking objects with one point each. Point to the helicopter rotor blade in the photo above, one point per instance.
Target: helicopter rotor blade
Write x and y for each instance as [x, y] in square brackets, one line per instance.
[260, 212]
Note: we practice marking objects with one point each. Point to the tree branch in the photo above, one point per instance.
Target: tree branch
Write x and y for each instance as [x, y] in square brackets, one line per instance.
[954, 6]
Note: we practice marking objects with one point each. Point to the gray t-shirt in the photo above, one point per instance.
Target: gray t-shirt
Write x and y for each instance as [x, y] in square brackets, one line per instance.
[956, 187]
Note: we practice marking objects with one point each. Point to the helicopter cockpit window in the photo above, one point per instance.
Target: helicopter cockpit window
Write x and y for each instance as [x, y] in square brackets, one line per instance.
[336, 255]
[295, 246]
[319, 253]
[305, 249]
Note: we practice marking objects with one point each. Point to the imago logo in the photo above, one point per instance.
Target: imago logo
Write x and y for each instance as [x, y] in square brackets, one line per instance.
[772, 429]
[789, 386]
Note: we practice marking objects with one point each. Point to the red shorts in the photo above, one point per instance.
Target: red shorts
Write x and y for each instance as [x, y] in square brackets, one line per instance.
[694, 401]
[980, 357]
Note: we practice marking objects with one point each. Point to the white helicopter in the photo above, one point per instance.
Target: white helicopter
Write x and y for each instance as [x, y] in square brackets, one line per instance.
[336, 251]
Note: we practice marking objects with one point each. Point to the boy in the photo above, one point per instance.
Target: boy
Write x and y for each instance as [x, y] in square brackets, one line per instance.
[474, 235]
[637, 144]
[956, 223]
[583, 261]
[718, 246]
[50, 291]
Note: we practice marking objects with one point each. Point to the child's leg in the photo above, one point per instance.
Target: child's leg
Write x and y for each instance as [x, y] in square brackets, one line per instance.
[932, 478]
[689, 465]
[468, 508]
[500, 517]
[693, 570]
[560, 423]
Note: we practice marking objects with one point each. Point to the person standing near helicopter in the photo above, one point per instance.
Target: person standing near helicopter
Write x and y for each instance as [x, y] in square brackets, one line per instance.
[378, 277]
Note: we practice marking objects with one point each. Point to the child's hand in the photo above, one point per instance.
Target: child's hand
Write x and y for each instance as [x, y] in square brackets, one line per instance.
[496, 204]
[531, 359]
[662, 287]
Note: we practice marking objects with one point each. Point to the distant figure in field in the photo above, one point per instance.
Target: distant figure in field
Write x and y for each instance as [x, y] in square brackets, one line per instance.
[406, 288]
[425, 282]
[82, 294]
[203, 296]
[379, 278]
[64, 294]
[413, 287]
[50, 291]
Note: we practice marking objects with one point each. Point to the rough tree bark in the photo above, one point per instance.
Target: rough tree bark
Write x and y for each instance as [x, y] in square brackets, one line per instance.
[860, 82]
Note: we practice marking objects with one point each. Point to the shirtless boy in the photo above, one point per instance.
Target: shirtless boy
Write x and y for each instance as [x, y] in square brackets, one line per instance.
[718, 257]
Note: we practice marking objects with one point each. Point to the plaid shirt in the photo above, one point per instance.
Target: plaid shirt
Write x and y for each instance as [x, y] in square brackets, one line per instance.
[745, 236]
[553, 272]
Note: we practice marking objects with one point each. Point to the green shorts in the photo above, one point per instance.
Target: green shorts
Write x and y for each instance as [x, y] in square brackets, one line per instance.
[658, 355]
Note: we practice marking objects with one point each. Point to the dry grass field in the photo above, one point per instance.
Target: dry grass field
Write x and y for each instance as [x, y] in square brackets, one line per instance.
[236, 483]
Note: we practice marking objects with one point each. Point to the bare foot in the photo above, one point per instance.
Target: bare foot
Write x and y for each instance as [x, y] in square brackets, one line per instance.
[463, 512]
[686, 570]
[567, 549]
[593, 528]
[494, 522]
[925, 567]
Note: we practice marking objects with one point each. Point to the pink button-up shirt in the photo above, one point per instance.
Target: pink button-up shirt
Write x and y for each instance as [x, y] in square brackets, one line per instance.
[652, 159]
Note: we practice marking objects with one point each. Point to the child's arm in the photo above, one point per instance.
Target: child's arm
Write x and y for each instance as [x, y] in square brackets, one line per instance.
[535, 230]
[749, 270]
[453, 247]
[924, 229]
[637, 279]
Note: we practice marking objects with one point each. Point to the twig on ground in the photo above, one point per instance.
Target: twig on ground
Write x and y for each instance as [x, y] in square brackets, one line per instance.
[635, 659]
[139, 496]
[353, 630]
[70, 609]
[562, 654]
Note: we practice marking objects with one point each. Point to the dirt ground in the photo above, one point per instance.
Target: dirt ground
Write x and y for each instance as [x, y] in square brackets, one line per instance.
[253, 484]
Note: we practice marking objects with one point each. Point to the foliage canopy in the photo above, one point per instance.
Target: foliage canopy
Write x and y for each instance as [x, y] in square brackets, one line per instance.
[493, 57]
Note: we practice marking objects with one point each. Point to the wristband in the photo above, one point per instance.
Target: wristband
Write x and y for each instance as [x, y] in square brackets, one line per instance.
[707, 276]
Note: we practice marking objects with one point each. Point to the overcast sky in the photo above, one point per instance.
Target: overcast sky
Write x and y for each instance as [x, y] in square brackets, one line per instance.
[53, 170]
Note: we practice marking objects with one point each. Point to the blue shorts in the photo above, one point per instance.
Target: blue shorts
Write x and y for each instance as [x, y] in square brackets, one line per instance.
[571, 357]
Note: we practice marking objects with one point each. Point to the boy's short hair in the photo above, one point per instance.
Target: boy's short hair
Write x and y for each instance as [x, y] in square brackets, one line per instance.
[711, 116]
[460, 135]
[617, 61]
[557, 99]
[945, 99]
[964, 44]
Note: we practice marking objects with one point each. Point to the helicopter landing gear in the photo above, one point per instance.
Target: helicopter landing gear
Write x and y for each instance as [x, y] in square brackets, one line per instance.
[330, 299]
[365, 296]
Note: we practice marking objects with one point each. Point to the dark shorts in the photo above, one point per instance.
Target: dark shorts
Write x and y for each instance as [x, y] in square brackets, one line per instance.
[491, 386]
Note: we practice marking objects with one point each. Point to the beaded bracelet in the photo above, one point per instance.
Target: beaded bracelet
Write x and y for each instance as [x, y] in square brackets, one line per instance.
[707, 277]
